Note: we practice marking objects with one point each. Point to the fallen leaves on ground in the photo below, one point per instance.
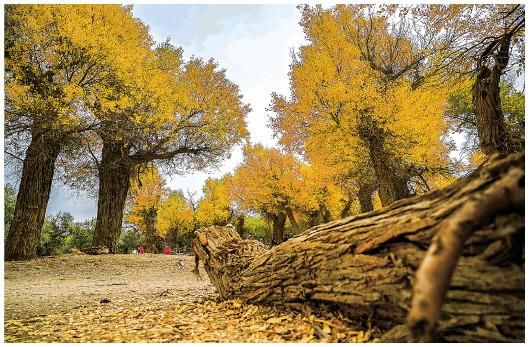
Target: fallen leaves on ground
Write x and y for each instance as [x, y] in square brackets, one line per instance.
[164, 321]
[176, 308]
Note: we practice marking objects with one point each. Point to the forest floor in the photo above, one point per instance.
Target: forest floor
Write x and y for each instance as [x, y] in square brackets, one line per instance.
[147, 298]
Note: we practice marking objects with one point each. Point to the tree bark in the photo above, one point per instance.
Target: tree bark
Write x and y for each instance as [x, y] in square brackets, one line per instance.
[322, 215]
[114, 173]
[365, 197]
[240, 223]
[491, 125]
[364, 265]
[150, 231]
[32, 199]
[392, 185]
[436, 269]
[292, 220]
[347, 207]
[278, 228]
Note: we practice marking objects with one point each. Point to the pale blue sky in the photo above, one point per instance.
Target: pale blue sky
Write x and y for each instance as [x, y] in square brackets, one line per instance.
[252, 42]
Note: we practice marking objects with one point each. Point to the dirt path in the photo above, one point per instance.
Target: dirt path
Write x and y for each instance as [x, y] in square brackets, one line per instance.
[145, 298]
[58, 284]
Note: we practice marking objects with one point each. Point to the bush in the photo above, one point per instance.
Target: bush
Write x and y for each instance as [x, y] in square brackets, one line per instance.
[257, 229]
[183, 240]
[10, 199]
[130, 239]
[61, 233]
[80, 234]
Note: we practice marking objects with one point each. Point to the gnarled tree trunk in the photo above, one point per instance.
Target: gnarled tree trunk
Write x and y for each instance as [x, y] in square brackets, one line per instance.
[322, 215]
[114, 173]
[365, 197]
[292, 219]
[490, 121]
[366, 264]
[32, 199]
[240, 223]
[149, 216]
[392, 185]
[278, 227]
[347, 207]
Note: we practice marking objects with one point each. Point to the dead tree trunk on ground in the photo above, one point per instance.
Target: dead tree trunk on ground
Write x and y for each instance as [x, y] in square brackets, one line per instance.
[366, 264]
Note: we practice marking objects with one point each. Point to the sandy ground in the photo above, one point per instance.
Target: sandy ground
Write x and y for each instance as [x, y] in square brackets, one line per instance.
[148, 298]
[58, 284]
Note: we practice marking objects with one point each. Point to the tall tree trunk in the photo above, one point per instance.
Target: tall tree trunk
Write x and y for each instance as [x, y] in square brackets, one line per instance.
[32, 199]
[114, 173]
[321, 216]
[278, 227]
[150, 232]
[347, 207]
[324, 212]
[172, 237]
[392, 183]
[364, 265]
[292, 220]
[240, 223]
[490, 121]
[365, 197]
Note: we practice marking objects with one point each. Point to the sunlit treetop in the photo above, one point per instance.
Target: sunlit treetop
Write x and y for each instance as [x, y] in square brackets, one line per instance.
[174, 215]
[267, 181]
[187, 114]
[59, 58]
[215, 208]
[338, 86]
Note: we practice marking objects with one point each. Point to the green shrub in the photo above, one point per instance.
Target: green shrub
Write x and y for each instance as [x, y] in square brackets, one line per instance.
[61, 233]
[257, 229]
[130, 239]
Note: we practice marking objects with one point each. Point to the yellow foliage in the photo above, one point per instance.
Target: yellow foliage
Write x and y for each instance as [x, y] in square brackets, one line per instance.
[319, 190]
[267, 181]
[376, 201]
[174, 214]
[73, 68]
[149, 193]
[334, 85]
[146, 193]
[477, 158]
[61, 58]
[215, 206]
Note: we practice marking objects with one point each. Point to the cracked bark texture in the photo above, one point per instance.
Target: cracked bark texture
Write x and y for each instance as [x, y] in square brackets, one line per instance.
[366, 264]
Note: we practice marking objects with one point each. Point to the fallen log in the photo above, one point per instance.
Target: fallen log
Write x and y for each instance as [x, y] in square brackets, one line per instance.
[366, 264]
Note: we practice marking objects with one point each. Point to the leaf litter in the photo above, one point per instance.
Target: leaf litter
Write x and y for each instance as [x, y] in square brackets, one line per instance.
[183, 309]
